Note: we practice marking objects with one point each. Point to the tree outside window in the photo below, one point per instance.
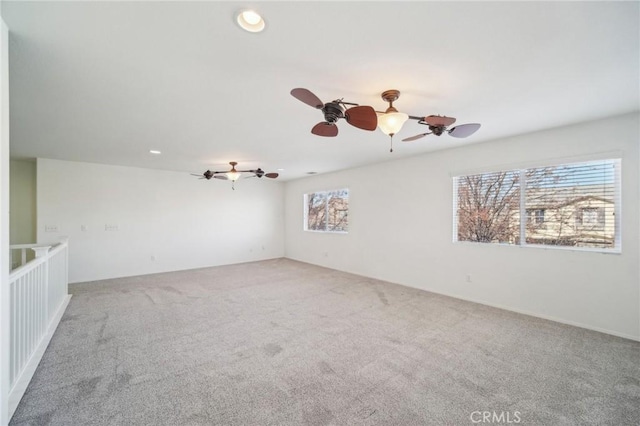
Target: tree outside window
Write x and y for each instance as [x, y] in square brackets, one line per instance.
[327, 211]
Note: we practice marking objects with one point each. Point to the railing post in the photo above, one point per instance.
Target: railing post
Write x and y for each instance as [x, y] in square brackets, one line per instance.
[65, 241]
[40, 251]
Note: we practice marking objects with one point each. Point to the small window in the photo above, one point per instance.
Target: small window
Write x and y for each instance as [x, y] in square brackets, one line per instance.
[591, 217]
[327, 211]
[535, 216]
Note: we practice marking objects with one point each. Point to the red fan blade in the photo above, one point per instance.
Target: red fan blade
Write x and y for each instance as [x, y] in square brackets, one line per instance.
[362, 117]
[464, 130]
[438, 120]
[413, 138]
[271, 175]
[325, 129]
[307, 97]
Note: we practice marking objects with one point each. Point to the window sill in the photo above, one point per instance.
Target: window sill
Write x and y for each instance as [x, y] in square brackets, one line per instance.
[540, 246]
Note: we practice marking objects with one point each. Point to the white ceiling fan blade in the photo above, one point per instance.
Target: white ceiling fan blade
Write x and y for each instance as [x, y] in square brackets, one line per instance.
[464, 130]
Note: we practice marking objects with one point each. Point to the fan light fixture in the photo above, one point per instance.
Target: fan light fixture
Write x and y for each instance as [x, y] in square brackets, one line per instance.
[391, 121]
[233, 175]
[250, 21]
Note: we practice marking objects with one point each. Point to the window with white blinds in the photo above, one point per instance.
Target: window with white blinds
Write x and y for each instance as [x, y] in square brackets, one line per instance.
[327, 211]
[573, 205]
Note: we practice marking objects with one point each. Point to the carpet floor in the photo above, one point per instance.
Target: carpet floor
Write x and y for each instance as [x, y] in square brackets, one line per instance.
[281, 342]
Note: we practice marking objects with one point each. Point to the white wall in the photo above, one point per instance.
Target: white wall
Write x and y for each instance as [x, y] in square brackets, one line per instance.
[401, 230]
[22, 202]
[183, 222]
[4, 223]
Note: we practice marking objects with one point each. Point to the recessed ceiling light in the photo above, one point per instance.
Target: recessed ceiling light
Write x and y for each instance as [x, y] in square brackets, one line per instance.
[281, 170]
[153, 151]
[250, 21]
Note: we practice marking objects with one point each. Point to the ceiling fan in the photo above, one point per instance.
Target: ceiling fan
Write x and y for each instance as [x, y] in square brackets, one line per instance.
[233, 175]
[362, 117]
[439, 124]
[391, 121]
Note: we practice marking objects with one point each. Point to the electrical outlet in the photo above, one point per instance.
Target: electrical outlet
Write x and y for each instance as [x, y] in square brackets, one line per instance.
[111, 227]
[468, 278]
[51, 228]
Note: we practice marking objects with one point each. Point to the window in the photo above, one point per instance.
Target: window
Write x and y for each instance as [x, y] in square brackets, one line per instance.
[594, 217]
[569, 205]
[487, 206]
[535, 216]
[327, 211]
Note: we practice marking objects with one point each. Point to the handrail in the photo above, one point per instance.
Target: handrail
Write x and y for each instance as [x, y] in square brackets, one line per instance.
[23, 246]
[26, 268]
[58, 247]
[38, 249]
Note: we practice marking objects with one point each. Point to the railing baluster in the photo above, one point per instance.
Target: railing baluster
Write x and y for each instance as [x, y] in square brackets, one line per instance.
[29, 309]
[21, 321]
[12, 335]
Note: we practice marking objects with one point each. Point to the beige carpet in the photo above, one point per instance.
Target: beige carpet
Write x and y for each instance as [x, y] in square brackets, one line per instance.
[286, 343]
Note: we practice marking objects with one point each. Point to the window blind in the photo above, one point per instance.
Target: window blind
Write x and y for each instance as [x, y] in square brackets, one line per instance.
[569, 205]
[575, 202]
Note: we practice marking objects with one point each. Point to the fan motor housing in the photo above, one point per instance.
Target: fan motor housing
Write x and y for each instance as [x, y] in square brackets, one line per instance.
[437, 130]
[333, 111]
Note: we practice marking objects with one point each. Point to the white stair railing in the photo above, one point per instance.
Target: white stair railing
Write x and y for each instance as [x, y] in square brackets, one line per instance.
[19, 254]
[38, 292]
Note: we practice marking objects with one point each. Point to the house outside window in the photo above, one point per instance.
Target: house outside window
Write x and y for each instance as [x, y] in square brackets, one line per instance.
[327, 211]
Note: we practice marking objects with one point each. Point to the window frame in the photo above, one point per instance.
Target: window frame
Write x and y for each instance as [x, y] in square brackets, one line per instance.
[524, 218]
[535, 216]
[305, 204]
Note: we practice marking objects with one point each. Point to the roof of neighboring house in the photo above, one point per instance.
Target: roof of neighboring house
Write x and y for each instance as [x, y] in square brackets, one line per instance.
[550, 204]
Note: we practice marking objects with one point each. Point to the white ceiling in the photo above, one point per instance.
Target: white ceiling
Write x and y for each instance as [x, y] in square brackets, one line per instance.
[106, 82]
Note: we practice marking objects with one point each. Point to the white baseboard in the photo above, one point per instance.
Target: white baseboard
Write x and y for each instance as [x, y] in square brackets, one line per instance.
[20, 387]
[493, 305]
[537, 315]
